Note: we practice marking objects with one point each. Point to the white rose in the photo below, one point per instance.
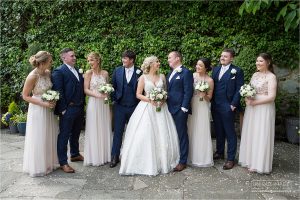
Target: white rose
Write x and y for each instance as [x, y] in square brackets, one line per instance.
[80, 70]
[160, 96]
[179, 70]
[138, 71]
[233, 71]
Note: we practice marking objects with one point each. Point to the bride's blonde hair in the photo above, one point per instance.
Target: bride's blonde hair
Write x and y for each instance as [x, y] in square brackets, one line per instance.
[147, 64]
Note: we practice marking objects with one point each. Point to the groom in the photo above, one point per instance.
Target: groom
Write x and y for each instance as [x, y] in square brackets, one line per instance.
[180, 92]
[228, 80]
[124, 81]
[68, 82]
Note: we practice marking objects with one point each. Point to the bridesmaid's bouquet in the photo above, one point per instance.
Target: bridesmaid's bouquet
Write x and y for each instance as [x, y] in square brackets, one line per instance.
[202, 86]
[247, 90]
[106, 88]
[158, 95]
[50, 95]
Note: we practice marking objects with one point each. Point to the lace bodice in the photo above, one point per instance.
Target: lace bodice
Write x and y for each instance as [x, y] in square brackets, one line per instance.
[260, 82]
[149, 85]
[42, 85]
[96, 81]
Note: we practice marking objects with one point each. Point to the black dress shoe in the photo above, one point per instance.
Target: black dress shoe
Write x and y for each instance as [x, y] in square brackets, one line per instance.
[218, 156]
[114, 161]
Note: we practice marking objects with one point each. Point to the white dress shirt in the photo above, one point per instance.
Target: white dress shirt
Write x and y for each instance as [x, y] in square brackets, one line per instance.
[73, 70]
[174, 72]
[129, 73]
[223, 70]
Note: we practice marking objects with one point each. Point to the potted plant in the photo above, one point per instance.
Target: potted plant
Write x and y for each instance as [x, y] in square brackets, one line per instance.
[13, 109]
[292, 120]
[21, 119]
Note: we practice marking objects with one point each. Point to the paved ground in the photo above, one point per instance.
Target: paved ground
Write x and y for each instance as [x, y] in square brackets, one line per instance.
[105, 183]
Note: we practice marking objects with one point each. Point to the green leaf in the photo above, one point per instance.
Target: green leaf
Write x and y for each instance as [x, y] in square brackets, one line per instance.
[282, 12]
[242, 8]
[288, 19]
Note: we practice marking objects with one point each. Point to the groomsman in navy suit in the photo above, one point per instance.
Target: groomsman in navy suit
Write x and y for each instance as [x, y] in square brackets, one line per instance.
[124, 81]
[180, 92]
[68, 82]
[228, 80]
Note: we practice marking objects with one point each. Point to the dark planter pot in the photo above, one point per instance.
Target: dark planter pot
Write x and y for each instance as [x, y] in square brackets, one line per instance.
[13, 128]
[22, 128]
[292, 129]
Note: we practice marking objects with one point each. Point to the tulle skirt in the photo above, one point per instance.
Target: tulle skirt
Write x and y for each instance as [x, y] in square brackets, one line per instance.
[97, 145]
[40, 149]
[151, 142]
[257, 140]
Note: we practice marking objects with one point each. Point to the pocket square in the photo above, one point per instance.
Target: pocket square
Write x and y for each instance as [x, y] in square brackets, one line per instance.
[178, 77]
[233, 77]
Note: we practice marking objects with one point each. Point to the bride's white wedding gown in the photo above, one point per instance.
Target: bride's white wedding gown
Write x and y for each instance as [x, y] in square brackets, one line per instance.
[151, 142]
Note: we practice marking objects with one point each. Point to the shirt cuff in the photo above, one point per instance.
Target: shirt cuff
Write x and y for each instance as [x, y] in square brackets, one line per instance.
[184, 109]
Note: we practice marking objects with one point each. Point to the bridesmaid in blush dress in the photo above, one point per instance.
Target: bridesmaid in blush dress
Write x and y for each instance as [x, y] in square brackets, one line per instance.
[40, 154]
[98, 132]
[200, 147]
[257, 142]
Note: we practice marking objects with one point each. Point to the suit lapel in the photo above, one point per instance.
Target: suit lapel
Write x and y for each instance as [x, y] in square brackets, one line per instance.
[216, 74]
[227, 74]
[70, 74]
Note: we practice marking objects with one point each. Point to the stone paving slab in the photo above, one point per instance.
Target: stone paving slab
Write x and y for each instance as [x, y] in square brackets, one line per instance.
[105, 183]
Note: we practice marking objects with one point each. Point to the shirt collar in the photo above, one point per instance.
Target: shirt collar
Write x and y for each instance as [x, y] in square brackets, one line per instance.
[130, 68]
[71, 68]
[226, 67]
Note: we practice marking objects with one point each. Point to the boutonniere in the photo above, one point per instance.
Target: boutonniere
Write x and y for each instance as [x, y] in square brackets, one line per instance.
[80, 71]
[138, 71]
[233, 71]
[178, 70]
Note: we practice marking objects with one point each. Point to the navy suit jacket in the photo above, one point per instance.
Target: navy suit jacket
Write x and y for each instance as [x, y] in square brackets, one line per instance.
[64, 81]
[118, 80]
[233, 83]
[180, 90]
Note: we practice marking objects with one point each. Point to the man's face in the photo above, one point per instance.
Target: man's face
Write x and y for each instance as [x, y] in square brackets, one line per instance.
[173, 60]
[127, 62]
[69, 58]
[226, 58]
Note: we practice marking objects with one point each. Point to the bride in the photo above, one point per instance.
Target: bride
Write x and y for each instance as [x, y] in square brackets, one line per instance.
[151, 143]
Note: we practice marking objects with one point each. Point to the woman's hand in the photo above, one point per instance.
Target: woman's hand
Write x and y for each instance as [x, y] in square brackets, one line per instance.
[49, 104]
[249, 101]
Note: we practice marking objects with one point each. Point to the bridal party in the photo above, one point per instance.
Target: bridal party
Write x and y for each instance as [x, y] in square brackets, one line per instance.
[144, 121]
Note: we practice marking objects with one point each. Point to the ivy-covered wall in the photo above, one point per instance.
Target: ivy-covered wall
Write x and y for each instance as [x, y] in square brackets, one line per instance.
[197, 29]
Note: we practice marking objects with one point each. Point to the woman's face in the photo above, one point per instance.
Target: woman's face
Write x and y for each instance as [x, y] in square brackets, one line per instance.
[48, 64]
[94, 63]
[200, 67]
[155, 65]
[261, 64]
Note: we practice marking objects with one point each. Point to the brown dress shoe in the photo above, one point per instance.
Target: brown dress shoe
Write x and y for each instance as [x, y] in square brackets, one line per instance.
[77, 158]
[66, 168]
[228, 165]
[218, 156]
[179, 167]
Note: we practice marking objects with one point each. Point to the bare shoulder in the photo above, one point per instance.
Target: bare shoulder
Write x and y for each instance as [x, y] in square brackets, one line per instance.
[89, 72]
[104, 73]
[272, 76]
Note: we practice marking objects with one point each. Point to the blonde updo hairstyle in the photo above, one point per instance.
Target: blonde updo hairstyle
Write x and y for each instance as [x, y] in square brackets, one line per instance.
[39, 58]
[95, 56]
[147, 64]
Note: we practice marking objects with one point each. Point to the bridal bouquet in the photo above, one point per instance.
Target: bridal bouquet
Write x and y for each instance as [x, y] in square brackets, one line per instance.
[106, 88]
[202, 86]
[50, 95]
[158, 95]
[247, 90]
